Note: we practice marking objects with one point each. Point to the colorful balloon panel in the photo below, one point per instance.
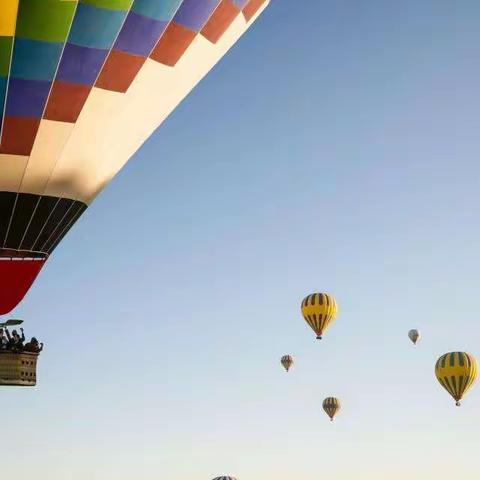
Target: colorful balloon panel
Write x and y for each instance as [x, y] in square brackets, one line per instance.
[82, 86]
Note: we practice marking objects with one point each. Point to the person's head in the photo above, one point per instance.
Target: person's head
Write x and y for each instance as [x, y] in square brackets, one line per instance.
[1, 332]
[34, 340]
[15, 334]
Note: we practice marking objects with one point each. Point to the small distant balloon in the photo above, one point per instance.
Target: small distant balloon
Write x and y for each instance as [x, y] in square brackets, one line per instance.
[414, 336]
[225, 478]
[319, 311]
[456, 373]
[287, 361]
[332, 406]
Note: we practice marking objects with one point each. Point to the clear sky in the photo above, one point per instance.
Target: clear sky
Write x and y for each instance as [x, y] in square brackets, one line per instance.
[335, 148]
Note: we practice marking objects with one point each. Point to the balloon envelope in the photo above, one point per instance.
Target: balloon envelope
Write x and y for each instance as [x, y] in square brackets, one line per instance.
[332, 406]
[414, 336]
[287, 362]
[456, 373]
[82, 86]
[319, 310]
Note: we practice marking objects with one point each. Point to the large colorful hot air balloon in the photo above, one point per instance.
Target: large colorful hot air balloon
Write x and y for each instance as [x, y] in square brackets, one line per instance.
[456, 372]
[287, 362]
[414, 336]
[83, 83]
[319, 311]
[331, 405]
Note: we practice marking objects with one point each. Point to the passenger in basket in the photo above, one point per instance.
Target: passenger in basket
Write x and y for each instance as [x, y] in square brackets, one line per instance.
[33, 346]
[15, 341]
[3, 340]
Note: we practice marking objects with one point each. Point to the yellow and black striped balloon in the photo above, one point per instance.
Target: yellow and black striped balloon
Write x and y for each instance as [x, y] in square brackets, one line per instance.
[331, 405]
[287, 362]
[456, 372]
[319, 311]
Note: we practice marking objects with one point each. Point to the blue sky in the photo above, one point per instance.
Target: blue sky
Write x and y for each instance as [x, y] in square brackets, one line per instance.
[335, 148]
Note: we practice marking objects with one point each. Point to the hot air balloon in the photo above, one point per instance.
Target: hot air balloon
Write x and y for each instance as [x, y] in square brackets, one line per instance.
[456, 372]
[225, 478]
[319, 311]
[83, 83]
[414, 336]
[287, 362]
[331, 405]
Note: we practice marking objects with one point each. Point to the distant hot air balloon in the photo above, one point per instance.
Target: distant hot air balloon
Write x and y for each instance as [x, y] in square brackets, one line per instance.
[331, 405]
[456, 372]
[319, 311]
[83, 83]
[225, 478]
[414, 336]
[287, 362]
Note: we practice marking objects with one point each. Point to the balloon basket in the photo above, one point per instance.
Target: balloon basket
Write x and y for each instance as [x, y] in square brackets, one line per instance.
[18, 368]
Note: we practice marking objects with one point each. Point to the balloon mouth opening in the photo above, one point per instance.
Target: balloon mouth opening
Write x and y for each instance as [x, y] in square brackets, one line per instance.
[457, 403]
[13, 254]
[18, 270]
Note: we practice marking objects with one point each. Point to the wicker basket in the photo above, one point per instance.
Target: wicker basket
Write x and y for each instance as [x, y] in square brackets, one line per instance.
[18, 368]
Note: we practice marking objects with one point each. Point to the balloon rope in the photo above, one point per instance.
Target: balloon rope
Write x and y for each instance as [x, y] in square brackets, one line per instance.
[55, 229]
[45, 224]
[66, 228]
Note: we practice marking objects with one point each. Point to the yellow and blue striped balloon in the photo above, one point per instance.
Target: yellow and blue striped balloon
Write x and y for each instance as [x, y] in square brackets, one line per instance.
[319, 310]
[456, 372]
